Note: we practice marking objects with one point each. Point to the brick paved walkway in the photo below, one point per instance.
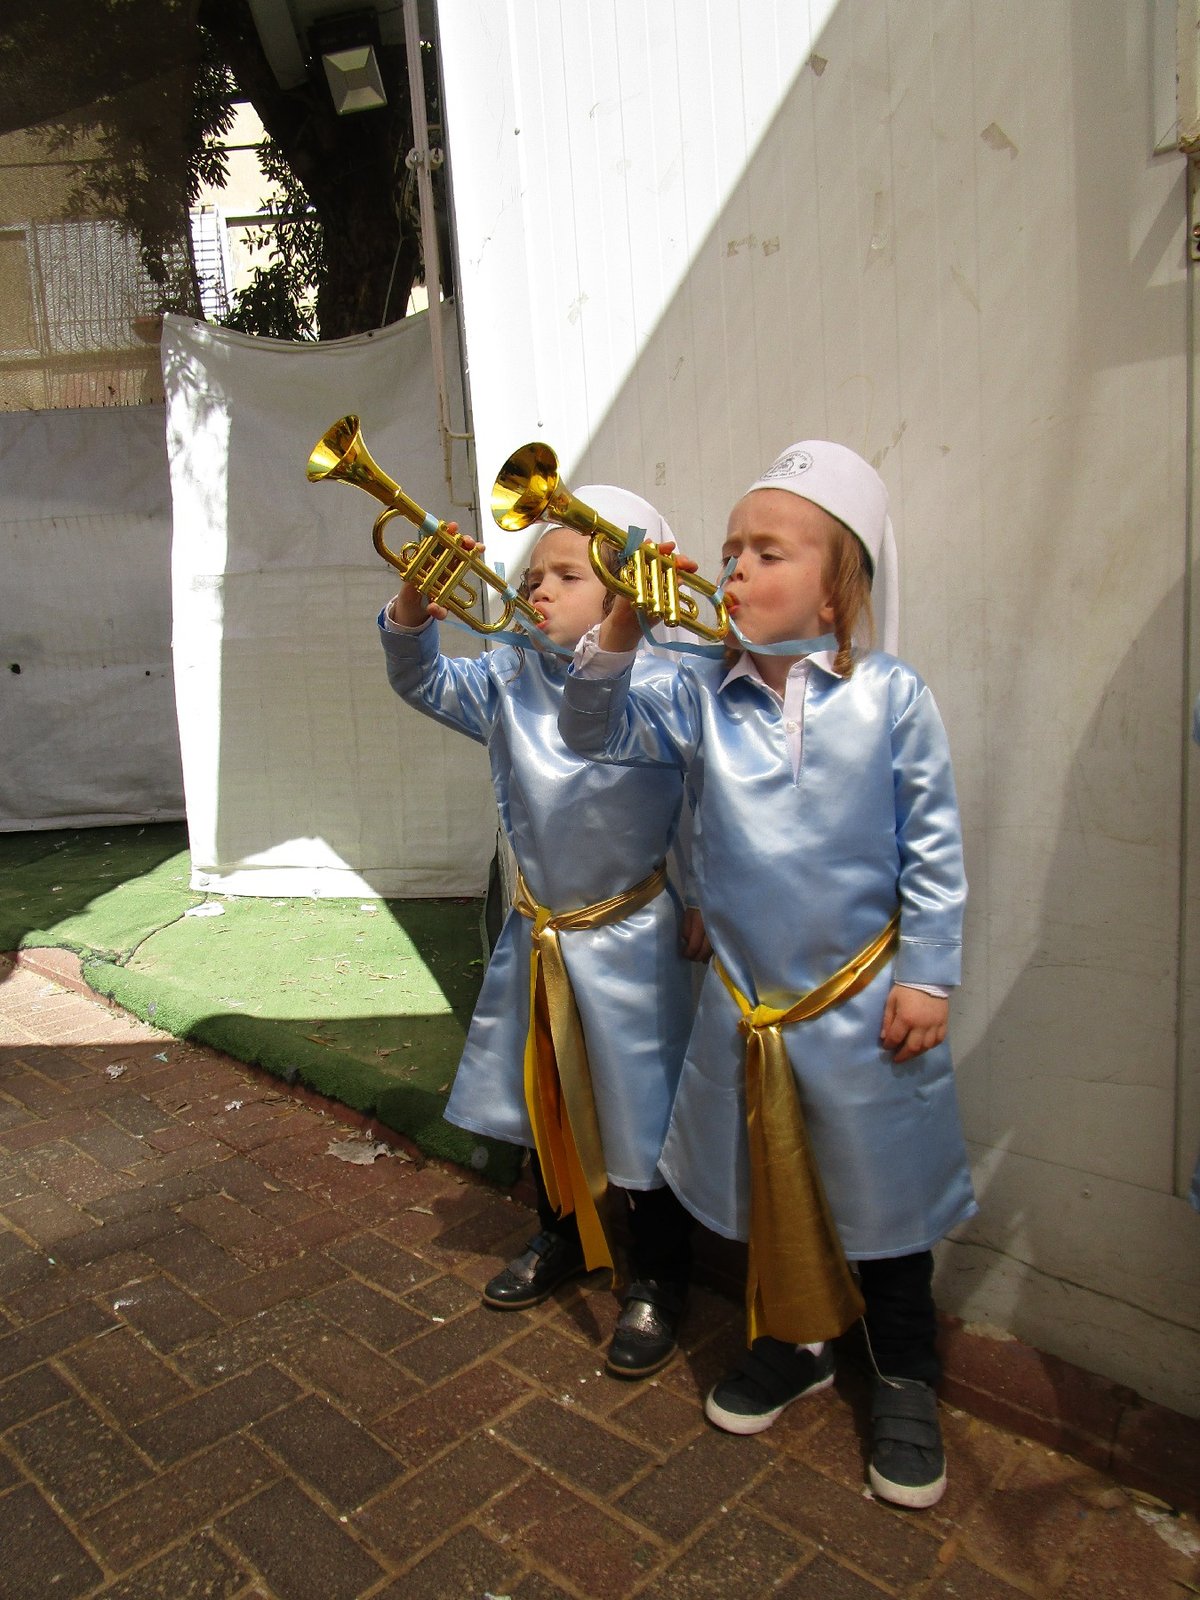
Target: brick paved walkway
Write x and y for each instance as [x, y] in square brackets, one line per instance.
[234, 1365]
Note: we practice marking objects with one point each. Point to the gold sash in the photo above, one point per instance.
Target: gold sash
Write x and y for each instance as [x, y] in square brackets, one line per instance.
[798, 1285]
[558, 1082]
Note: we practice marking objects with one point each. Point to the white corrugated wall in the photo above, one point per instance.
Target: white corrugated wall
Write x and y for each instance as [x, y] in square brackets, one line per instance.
[936, 230]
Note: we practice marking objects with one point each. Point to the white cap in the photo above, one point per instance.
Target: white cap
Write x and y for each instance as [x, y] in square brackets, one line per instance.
[624, 509]
[842, 483]
[621, 507]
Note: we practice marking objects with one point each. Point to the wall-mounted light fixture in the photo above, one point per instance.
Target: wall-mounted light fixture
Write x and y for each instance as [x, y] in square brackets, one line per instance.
[348, 47]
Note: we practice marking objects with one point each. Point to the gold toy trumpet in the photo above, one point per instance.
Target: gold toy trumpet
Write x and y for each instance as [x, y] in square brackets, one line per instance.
[529, 490]
[437, 563]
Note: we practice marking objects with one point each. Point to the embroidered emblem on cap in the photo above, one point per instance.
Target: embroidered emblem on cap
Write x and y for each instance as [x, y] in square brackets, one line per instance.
[790, 465]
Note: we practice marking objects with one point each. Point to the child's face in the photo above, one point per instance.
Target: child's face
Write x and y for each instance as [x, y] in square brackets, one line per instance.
[563, 586]
[778, 589]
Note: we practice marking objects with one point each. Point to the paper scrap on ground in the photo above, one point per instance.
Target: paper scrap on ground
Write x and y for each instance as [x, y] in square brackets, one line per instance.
[359, 1151]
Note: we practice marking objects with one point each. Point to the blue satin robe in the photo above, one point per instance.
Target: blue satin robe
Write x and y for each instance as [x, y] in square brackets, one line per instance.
[794, 876]
[580, 833]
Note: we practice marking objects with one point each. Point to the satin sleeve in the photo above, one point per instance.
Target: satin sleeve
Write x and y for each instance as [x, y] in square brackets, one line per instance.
[651, 724]
[454, 690]
[932, 881]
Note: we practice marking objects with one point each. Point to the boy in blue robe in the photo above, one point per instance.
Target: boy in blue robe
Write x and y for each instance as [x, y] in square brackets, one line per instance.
[817, 1100]
[577, 1039]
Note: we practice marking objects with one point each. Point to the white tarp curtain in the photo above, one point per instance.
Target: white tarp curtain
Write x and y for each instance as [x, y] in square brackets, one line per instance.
[304, 774]
[87, 716]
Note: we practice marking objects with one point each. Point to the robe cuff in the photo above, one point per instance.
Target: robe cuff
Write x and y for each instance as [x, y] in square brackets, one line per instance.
[592, 662]
[920, 961]
[591, 705]
[402, 644]
[389, 625]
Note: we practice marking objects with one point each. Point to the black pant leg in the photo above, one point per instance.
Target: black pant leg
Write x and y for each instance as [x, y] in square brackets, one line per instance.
[901, 1318]
[562, 1227]
[660, 1231]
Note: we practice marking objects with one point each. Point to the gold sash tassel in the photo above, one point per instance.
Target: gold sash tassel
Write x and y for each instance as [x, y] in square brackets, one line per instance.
[799, 1287]
[558, 1081]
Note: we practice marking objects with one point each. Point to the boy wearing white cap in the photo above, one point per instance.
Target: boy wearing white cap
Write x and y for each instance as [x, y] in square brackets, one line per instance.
[816, 1115]
[577, 1039]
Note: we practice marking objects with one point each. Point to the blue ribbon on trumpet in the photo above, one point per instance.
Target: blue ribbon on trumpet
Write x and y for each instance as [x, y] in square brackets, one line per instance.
[784, 647]
[524, 636]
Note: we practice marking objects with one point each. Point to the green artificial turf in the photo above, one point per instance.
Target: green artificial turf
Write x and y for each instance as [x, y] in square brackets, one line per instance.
[365, 1001]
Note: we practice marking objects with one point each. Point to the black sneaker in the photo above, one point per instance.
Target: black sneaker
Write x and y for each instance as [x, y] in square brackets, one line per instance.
[908, 1462]
[549, 1260]
[644, 1339]
[768, 1378]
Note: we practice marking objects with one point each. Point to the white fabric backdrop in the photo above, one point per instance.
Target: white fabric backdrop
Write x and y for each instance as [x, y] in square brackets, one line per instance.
[304, 774]
[87, 723]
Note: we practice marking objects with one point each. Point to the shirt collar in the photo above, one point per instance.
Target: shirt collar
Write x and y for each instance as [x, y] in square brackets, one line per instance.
[744, 667]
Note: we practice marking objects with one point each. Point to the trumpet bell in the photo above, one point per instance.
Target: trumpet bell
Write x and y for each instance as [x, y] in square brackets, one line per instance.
[526, 487]
[438, 564]
[340, 454]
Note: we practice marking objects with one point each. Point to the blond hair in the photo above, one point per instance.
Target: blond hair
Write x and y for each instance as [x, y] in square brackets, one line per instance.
[846, 573]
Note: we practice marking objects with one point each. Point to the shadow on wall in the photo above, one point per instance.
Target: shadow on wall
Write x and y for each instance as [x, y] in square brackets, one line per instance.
[1072, 539]
[1083, 1246]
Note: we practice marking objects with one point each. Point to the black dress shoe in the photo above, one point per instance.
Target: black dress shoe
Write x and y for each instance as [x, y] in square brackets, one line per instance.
[548, 1261]
[645, 1336]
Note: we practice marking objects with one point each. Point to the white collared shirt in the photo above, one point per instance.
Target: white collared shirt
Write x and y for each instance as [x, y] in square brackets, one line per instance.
[791, 701]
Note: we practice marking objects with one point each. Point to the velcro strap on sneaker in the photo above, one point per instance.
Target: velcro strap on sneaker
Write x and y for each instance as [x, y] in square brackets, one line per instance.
[779, 1371]
[905, 1401]
[906, 1430]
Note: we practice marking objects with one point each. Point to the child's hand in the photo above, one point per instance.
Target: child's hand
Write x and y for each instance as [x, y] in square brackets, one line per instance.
[621, 629]
[693, 940]
[682, 563]
[913, 1022]
[410, 608]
